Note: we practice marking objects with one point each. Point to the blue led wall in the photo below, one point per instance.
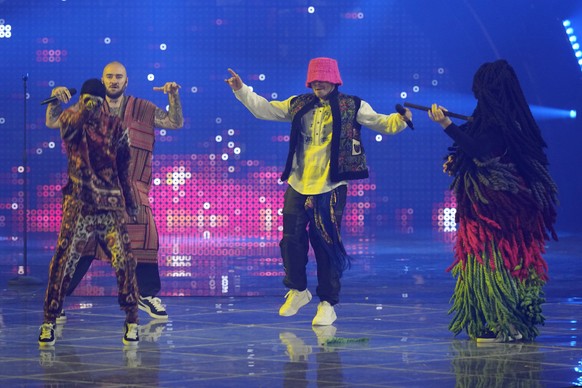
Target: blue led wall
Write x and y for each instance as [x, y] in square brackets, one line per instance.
[216, 193]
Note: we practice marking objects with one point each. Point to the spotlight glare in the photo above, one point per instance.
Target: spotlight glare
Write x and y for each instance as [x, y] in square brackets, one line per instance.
[573, 40]
[549, 113]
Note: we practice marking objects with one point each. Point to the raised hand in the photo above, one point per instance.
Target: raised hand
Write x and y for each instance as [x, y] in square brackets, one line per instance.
[234, 81]
[169, 87]
[62, 94]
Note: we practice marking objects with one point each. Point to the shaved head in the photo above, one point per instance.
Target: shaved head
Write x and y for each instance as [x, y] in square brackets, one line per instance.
[115, 79]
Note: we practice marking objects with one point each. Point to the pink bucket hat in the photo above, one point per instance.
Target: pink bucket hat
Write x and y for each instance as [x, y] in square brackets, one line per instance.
[323, 69]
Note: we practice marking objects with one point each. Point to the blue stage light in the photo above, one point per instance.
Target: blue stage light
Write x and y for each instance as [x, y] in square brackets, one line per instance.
[573, 40]
[547, 113]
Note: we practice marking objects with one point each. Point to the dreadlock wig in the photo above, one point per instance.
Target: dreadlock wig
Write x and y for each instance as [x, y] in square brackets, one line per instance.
[506, 210]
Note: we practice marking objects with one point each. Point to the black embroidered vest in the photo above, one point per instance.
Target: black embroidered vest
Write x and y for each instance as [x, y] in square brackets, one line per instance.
[347, 159]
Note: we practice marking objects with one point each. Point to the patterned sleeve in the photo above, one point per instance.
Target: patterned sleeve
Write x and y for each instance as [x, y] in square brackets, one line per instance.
[123, 167]
[71, 124]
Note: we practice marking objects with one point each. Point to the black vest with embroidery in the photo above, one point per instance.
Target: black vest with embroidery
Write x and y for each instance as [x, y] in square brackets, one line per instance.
[347, 159]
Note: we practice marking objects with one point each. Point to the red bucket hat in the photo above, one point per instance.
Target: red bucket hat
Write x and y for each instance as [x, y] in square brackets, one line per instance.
[323, 69]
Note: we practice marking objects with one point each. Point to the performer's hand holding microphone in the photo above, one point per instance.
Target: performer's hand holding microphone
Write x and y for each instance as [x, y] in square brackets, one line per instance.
[436, 113]
[406, 115]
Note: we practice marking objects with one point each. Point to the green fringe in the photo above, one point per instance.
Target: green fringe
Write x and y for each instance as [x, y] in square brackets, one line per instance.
[486, 299]
[342, 340]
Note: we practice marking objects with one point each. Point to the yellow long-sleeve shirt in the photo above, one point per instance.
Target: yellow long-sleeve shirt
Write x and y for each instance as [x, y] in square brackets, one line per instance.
[311, 163]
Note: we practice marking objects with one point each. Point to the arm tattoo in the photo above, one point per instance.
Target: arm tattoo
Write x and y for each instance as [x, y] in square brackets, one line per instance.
[160, 116]
[172, 119]
[176, 110]
[55, 111]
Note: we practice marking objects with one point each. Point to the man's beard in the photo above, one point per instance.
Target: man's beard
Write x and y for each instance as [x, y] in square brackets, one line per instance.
[115, 95]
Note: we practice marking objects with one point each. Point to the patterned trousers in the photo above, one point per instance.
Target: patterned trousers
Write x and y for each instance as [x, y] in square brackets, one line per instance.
[79, 228]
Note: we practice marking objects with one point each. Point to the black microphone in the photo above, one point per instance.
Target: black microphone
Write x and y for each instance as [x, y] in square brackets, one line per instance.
[73, 91]
[447, 113]
[400, 109]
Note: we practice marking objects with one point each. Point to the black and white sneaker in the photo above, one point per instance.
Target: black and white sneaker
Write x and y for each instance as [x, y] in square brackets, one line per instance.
[131, 336]
[47, 334]
[153, 306]
[491, 337]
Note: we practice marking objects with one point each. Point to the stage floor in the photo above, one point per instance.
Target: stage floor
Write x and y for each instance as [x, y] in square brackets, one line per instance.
[393, 313]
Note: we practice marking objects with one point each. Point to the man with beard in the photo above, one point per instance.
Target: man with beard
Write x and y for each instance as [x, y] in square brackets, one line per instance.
[140, 117]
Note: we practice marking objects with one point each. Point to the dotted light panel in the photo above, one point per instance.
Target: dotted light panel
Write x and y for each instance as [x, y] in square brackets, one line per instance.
[216, 193]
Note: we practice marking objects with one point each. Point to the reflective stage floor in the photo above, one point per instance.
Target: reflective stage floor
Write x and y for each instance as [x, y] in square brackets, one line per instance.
[392, 325]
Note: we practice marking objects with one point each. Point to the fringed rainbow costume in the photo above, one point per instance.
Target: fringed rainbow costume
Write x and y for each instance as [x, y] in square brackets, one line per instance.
[505, 209]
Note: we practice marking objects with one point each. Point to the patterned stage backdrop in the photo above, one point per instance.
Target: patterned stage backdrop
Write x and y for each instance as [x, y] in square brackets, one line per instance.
[216, 193]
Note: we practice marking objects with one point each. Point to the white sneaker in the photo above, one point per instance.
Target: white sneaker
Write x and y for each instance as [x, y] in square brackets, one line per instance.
[295, 300]
[325, 315]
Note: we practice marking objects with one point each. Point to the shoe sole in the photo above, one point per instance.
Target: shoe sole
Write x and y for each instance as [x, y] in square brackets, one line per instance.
[488, 341]
[289, 313]
[324, 323]
[46, 344]
[130, 343]
[496, 340]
